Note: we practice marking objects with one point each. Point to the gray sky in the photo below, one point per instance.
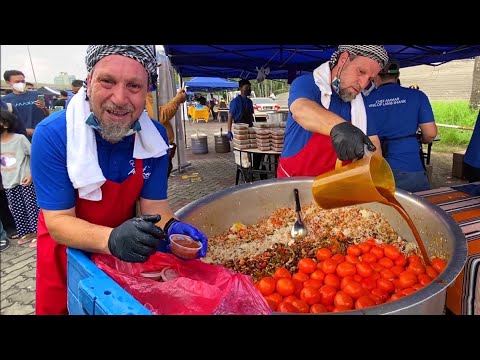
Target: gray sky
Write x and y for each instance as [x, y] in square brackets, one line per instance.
[48, 61]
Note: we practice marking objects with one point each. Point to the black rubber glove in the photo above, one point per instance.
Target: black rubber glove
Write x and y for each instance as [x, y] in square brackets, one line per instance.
[348, 141]
[136, 239]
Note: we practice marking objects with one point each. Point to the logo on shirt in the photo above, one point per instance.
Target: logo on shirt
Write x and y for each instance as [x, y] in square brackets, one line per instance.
[146, 173]
[8, 161]
[388, 102]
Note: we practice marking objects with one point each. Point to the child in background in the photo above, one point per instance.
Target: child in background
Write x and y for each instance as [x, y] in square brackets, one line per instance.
[17, 179]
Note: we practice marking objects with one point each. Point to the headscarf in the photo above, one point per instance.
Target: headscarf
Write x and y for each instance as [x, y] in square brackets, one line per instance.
[144, 54]
[375, 52]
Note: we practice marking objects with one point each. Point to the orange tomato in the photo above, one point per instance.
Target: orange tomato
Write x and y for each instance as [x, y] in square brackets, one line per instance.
[414, 258]
[407, 279]
[340, 309]
[343, 299]
[369, 258]
[377, 267]
[386, 262]
[317, 275]
[401, 260]
[371, 241]
[285, 286]
[282, 272]
[346, 269]
[439, 264]
[323, 254]
[377, 251]
[345, 280]
[300, 276]
[354, 289]
[266, 285]
[416, 267]
[424, 279]
[382, 294]
[273, 300]
[369, 283]
[318, 309]
[338, 258]
[317, 284]
[307, 265]
[310, 295]
[391, 252]
[397, 269]
[385, 285]
[329, 266]
[365, 247]
[387, 274]
[364, 302]
[285, 307]
[354, 250]
[289, 298]
[301, 306]
[333, 280]
[352, 259]
[408, 291]
[430, 271]
[327, 294]
[364, 269]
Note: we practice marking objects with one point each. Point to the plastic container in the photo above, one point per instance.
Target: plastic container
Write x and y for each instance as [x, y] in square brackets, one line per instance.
[184, 247]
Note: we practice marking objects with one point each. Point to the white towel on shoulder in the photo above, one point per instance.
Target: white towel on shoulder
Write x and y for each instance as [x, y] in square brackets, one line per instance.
[322, 77]
[82, 157]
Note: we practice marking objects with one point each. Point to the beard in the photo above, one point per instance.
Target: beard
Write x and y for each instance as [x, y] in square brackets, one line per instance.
[113, 132]
[346, 95]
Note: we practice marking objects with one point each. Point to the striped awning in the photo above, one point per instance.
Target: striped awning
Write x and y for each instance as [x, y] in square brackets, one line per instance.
[462, 203]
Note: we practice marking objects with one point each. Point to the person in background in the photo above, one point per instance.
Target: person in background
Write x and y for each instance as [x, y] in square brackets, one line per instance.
[76, 86]
[29, 86]
[471, 159]
[396, 113]
[165, 114]
[88, 198]
[327, 119]
[223, 105]
[4, 240]
[30, 108]
[17, 179]
[5, 213]
[212, 105]
[61, 101]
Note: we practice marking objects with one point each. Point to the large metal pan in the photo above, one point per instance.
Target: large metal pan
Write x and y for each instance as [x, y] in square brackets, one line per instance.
[248, 203]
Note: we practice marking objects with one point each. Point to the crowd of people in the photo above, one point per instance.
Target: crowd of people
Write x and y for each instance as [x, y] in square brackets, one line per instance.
[111, 197]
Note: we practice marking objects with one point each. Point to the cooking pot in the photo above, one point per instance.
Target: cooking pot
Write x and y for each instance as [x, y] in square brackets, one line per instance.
[248, 203]
[277, 116]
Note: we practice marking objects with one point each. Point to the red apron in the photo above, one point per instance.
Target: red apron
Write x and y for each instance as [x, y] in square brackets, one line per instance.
[316, 157]
[117, 205]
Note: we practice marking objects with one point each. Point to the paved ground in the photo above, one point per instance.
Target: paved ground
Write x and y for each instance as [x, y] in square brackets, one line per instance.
[216, 171]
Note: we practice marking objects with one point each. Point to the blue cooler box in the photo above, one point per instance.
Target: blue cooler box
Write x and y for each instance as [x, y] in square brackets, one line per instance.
[92, 292]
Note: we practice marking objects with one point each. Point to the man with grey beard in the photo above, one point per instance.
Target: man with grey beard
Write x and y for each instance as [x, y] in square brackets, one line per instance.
[327, 118]
[92, 163]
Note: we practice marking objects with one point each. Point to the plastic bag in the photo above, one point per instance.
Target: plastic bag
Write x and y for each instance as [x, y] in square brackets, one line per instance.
[201, 289]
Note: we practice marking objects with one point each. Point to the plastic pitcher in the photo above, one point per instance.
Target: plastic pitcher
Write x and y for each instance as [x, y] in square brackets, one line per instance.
[362, 181]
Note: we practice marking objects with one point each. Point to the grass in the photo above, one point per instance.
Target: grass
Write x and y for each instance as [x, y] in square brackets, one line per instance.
[453, 113]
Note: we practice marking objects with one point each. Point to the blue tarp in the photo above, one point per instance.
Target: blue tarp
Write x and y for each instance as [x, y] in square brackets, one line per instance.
[210, 84]
[241, 61]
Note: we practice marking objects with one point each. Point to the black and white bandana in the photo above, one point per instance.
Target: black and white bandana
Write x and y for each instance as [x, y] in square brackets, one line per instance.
[144, 54]
[375, 52]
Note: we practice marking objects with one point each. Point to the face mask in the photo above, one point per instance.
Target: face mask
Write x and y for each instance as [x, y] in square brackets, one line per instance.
[336, 85]
[19, 87]
[369, 89]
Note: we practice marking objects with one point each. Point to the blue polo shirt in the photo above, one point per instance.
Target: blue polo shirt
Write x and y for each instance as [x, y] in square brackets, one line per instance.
[397, 112]
[472, 154]
[49, 164]
[296, 137]
[236, 106]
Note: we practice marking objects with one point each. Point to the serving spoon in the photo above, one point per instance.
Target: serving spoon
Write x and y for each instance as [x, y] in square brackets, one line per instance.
[299, 230]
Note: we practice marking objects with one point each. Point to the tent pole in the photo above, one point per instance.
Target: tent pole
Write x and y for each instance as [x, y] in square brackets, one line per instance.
[182, 84]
